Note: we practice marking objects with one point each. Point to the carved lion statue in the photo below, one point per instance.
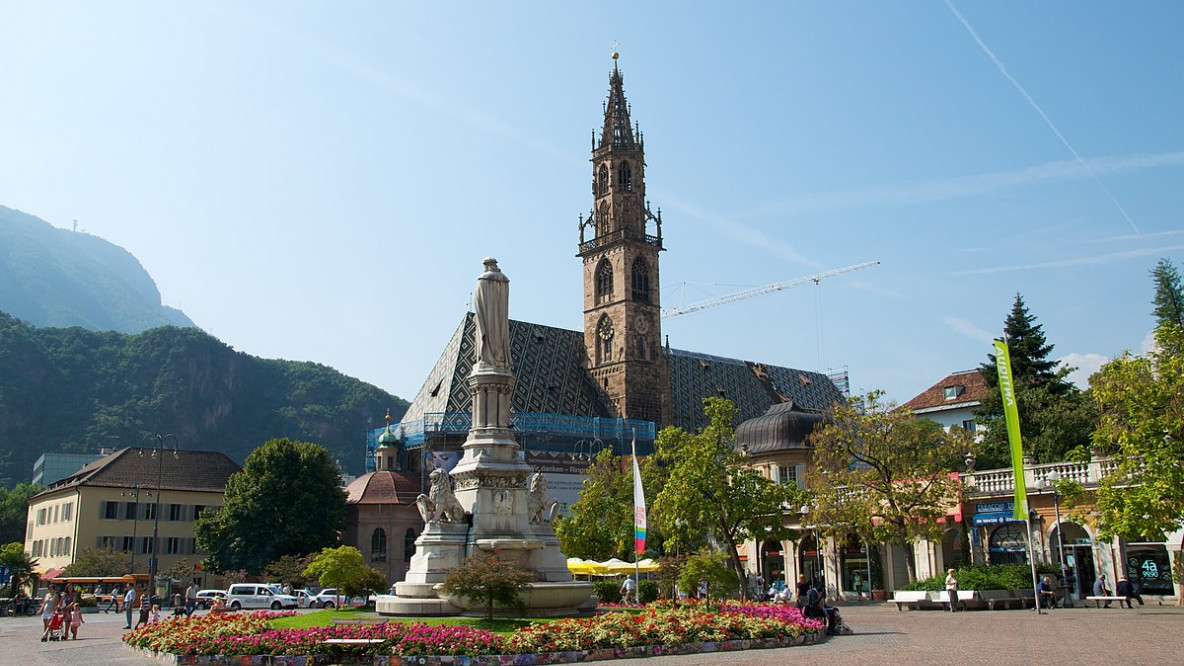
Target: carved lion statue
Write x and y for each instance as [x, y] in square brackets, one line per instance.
[536, 501]
[440, 505]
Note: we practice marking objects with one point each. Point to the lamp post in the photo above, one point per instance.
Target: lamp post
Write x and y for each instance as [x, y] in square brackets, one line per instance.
[158, 453]
[805, 510]
[1051, 479]
[135, 495]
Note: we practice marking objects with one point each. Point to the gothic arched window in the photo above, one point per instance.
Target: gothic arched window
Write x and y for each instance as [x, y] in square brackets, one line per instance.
[642, 348]
[602, 179]
[641, 280]
[378, 545]
[604, 282]
[625, 177]
[408, 544]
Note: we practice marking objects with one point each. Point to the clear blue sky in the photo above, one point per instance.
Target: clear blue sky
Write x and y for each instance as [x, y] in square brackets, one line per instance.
[320, 181]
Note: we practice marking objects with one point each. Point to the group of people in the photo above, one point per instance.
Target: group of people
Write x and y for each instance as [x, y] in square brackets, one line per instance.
[61, 609]
[1124, 589]
[812, 600]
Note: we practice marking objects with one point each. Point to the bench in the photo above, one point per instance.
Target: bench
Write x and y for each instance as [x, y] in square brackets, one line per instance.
[1099, 599]
[942, 598]
[353, 641]
[360, 621]
[910, 598]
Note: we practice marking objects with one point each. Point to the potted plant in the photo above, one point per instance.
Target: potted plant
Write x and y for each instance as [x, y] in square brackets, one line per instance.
[875, 573]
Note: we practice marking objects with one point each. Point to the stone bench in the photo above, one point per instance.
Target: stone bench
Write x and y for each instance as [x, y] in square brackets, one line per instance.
[1099, 599]
[910, 598]
[362, 621]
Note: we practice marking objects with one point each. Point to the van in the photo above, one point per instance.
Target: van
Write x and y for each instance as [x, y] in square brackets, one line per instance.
[254, 595]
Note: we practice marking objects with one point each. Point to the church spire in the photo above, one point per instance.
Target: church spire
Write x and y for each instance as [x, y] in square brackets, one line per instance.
[617, 131]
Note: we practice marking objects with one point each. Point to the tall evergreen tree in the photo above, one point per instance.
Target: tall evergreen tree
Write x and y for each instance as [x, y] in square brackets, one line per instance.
[1056, 420]
[1169, 304]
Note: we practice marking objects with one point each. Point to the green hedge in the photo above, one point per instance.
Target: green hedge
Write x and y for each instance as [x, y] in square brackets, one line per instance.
[647, 591]
[608, 591]
[987, 577]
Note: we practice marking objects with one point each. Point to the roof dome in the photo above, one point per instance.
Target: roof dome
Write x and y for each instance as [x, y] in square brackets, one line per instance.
[783, 427]
[382, 487]
[387, 439]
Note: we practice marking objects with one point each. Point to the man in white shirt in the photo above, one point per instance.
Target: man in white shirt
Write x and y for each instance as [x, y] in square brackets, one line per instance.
[129, 600]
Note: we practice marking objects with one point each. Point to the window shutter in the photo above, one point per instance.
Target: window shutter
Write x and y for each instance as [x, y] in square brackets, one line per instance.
[801, 472]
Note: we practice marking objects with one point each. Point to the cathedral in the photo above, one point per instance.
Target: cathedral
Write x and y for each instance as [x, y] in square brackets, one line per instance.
[613, 383]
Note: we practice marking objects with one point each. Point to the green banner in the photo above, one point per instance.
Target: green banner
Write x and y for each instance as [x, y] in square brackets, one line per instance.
[1012, 415]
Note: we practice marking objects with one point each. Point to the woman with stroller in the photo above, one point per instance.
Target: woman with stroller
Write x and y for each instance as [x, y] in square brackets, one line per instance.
[48, 605]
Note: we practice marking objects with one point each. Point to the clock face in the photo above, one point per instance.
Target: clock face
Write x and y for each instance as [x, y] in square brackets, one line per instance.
[605, 329]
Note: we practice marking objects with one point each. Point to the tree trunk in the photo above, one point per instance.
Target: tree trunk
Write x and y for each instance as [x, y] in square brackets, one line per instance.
[738, 568]
[1180, 583]
[910, 563]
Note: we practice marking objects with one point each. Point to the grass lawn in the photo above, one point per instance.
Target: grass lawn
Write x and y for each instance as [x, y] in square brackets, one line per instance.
[324, 618]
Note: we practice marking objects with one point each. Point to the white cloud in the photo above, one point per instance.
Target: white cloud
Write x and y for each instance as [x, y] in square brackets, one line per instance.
[1085, 364]
[968, 330]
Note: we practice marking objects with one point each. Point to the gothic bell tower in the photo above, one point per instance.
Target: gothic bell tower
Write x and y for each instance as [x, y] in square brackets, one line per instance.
[622, 326]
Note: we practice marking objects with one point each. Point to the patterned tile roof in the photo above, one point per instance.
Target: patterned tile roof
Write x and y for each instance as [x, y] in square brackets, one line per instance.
[137, 467]
[550, 368]
[968, 387]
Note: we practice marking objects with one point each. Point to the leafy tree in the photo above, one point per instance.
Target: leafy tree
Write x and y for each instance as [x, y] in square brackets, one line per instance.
[1141, 406]
[1168, 301]
[486, 579]
[1055, 416]
[600, 525]
[710, 490]
[14, 510]
[19, 563]
[289, 569]
[722, 580]
[345, 569]
[286, 500]
[181, 571]
[99, 562]
[884, 473]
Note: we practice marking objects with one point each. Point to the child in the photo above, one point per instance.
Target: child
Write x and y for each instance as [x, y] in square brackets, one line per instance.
[75, 620]
[155, 614]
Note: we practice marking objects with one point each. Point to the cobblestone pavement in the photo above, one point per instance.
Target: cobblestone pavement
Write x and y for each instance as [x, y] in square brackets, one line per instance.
[1147, 635]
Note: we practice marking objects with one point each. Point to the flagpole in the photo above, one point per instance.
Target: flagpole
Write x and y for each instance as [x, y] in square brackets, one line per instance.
[636, 551]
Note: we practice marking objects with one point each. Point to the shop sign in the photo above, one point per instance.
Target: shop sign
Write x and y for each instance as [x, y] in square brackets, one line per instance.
[995, 507]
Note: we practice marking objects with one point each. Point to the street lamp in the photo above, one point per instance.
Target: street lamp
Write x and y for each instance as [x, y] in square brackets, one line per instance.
[158, 453]
[805, 510]
[1051, 479]
[135, 495]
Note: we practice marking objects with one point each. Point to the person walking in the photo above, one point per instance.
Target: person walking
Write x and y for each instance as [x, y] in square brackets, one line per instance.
[116, 595]
[129, 600]
[952, 590]
[627, 589]
[76, 620]
[145, 609]
[48, 605]
[1127, 590]
[191, 598]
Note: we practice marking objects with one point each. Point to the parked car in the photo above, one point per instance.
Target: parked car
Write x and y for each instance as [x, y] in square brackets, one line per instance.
[302, 597]
[254, 595]
[205, 598]
[327, 598]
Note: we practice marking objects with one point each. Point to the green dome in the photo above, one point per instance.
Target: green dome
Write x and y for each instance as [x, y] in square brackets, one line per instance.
[387, 440]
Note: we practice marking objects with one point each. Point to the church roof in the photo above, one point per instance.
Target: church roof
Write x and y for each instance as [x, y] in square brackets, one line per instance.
[383, 487]
[550, 371]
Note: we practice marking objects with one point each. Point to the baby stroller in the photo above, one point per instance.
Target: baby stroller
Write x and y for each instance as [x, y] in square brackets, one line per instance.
[56, 631]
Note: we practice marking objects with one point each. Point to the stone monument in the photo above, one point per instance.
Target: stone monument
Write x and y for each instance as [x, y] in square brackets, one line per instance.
[486, 505]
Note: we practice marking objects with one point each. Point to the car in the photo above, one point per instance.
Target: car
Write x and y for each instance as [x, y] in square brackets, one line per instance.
[327, 598]
[256, 595]
[205, 598]
[302, 597]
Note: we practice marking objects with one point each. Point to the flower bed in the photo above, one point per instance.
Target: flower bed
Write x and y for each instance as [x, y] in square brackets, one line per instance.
[215, 639]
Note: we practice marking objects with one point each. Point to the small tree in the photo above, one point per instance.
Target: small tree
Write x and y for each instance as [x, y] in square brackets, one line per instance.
[345, 569]
[181, 571]
[99, 562]
[600, 524]
[713, 568]
[289, 569]
[486, 579]
[20, 565]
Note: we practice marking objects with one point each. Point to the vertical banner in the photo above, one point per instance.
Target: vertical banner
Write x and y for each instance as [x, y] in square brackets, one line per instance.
[1012, 415]
[638, 503]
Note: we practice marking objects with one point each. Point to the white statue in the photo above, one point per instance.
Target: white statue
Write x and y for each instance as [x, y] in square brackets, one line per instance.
[536, 502]
[440, 505]
[491, 302]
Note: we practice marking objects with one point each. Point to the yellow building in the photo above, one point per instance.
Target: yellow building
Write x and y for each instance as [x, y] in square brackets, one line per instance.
[119, 500]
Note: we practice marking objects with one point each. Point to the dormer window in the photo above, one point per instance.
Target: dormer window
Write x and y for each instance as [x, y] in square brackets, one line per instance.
[952, 392]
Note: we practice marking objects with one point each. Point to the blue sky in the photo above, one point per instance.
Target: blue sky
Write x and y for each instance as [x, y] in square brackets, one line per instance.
[320, 181]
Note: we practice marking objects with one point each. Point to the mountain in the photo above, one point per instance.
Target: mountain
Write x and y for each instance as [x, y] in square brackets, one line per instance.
[71, 389]
[55, 277]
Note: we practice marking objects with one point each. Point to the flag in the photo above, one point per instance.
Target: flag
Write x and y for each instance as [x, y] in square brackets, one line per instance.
[638, 503]
[1012, 416]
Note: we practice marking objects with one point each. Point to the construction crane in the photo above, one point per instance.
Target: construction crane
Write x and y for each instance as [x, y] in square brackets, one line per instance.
[766, 289]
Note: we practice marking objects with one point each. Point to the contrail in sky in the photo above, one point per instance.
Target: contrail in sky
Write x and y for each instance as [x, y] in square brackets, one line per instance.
[1048, 121]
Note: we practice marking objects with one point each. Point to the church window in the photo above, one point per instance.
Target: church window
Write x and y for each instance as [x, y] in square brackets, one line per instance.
[604, 282]
[625, 177]
[641, 281]
[602, 179]
[642, 348]
[378, 545]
